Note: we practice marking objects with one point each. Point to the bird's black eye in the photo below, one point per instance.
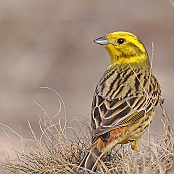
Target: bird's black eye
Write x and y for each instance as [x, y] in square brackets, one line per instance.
[120, 40]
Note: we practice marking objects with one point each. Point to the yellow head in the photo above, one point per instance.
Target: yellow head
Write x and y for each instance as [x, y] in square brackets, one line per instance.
[124, 48]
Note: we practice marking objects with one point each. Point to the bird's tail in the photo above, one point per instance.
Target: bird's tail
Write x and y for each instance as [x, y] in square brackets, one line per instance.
[97, 151]
[90, 160]
[100, 146]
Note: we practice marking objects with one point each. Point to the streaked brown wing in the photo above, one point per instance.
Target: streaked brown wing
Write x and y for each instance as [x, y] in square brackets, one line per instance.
[108, 115]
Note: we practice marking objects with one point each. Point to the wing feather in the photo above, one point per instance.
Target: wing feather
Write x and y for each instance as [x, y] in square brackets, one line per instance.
[113, 113]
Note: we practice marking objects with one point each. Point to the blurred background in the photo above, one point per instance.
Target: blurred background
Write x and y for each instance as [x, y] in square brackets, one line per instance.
[50, 43]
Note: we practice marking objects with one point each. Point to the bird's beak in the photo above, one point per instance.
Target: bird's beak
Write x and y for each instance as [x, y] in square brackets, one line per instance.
[102, 40]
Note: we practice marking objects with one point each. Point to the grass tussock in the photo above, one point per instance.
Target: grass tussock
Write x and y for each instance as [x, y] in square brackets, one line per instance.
[55, 152]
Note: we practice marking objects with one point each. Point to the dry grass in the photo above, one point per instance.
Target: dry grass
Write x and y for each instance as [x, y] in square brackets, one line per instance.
[56, 153]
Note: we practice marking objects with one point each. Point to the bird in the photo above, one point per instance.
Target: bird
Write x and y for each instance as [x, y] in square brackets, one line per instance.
[124, 100]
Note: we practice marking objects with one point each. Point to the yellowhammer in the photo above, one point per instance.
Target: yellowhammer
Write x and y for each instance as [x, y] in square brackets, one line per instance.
[125, 97]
